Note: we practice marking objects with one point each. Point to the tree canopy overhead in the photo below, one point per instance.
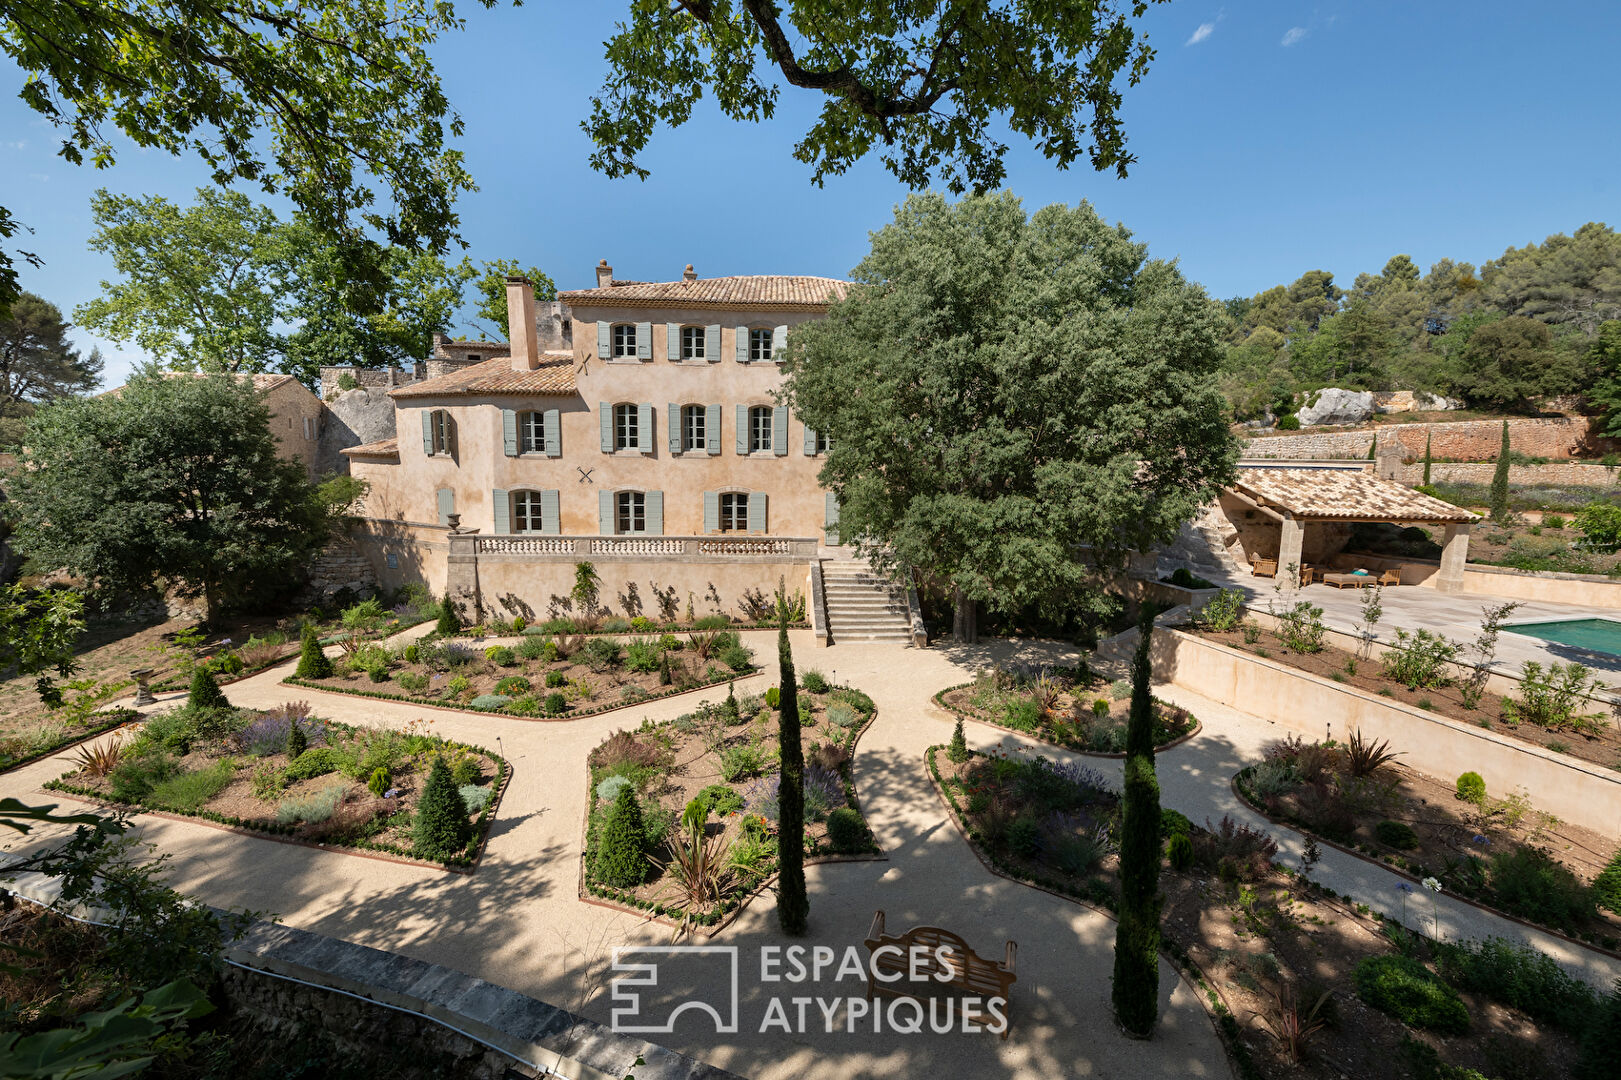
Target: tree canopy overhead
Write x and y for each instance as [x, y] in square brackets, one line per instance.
[333, 103]
[1001, 389]
[923, 81]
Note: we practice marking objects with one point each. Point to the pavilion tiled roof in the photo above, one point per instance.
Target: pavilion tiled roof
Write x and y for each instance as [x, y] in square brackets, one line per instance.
[554, 377]
[761, 290]
[1333, 494]
[380, 448]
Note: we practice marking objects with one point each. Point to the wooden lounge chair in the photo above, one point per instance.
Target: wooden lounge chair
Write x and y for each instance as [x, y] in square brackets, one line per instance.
[1390, 577]
[969, 973]
[1265, 568]
[1349, 581]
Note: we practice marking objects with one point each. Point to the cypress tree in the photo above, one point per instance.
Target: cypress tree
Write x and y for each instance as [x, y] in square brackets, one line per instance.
[441, 829]
[205, 692]
[619, 860]
[312, 662]
[793, 904]
[1500, 481]
[1427, 459]
[297, 741]
[958, 751]
[1136, 942]
[448, 623]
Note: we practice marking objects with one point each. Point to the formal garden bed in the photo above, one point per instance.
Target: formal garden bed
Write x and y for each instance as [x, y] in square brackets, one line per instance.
[1069, 707]
[1304, 983]
[566, 675]
[286, 773]
[1492, 848]
[681, 817]
[583, 611]
[1552, 710]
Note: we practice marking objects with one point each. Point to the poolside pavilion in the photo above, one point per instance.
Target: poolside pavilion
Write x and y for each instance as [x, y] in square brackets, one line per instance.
[1297, 510]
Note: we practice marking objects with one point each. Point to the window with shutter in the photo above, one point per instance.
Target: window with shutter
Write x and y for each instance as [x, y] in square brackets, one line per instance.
[605, 414]
[446, 499]
[712, 428]
[742, 341]
[757, 517]
[712, 343]
[604, 340]
[742, 429]
[672, 341]
[509, 432]
[694, 427]
[528, 512]
[630, 512]
[711, 511]
[644, 427]
[531, 433]
[830, 518]
[779, 431]
[552, 425]
[654, 502]
[498, 501]
[626, 427]
[427, 432]
[550, 517]
[760, 425]
[779, 342]
[734, 511]
[624, 341]
[605, 512]
[644, 341]
[760, 339]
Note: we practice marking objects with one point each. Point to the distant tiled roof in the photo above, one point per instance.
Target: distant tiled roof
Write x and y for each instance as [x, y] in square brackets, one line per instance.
[555, 376]
[763, 290]
[468, 343]
[1331, 494]
[262, 380]
[381, 448]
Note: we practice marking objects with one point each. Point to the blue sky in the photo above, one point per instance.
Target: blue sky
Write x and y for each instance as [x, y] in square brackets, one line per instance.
[1273, 138]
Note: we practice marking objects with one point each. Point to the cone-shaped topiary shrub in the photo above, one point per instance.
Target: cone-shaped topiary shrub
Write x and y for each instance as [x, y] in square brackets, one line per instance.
[205, 692]
[441, 829]
[296, 740]
[312, 662]
[958, 751]
[448, 622]
[620, 861]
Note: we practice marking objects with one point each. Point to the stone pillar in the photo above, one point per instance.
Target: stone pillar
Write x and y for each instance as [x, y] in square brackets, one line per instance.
[461, 571]
[1454, 554]
[1290, 546]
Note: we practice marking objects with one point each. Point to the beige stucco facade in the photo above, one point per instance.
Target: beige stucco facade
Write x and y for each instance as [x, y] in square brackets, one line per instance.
[295, 421]
[479, 472]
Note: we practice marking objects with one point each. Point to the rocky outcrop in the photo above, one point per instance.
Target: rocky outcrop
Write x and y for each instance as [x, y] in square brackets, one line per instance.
[353, 417]
[1335, 406]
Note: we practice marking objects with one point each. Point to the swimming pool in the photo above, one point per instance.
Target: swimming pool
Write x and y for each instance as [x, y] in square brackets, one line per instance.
[1599, 635]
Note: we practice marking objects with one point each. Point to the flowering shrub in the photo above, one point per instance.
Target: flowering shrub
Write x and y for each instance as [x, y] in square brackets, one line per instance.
[268, 733]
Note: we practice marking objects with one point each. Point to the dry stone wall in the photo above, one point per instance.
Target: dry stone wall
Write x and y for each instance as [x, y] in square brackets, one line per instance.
[1562, 474]
[1459, 440]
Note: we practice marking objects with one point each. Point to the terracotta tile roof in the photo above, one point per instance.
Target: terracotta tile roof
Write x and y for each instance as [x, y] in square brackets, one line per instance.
[1330, 494]
[381, 448]
[762, 290]
[262, 380]
[555, 376]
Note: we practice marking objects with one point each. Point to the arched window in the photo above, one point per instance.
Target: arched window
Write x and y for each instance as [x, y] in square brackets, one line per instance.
[627, 428]
[760, 427]
[624, 341]
[734, 511]
[694, 428]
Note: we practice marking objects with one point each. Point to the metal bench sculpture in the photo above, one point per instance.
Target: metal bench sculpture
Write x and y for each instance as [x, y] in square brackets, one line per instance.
[949, 967]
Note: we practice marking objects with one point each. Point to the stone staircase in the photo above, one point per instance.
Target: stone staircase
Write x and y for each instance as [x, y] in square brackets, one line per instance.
[863, 606]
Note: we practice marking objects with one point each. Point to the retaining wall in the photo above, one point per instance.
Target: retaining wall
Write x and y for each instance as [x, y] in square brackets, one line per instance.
[1460, 440]
[1559, 474]
[1577, 791]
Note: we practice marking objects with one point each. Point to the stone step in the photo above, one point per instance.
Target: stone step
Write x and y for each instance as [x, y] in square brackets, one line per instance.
[896, 638]
[869, 600]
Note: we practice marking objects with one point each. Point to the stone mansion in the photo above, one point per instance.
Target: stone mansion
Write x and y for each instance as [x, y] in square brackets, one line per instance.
[633, 425]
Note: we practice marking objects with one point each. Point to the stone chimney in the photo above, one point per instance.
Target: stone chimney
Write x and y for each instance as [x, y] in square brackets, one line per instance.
[525, 342]
[440, 340]
[556, 327]
[605, 274]
[689, 274]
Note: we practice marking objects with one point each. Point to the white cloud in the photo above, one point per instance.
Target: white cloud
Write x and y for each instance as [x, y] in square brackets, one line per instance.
[39, 177]
[19, 144]
[1204, 31]
[1295, 35]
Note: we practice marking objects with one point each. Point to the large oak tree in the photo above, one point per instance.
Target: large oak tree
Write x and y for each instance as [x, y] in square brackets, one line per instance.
[1013, 398]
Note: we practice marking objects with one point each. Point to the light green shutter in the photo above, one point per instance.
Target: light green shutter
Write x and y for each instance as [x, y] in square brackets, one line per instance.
[674, 424]
[604, 339]
[779, 342]
[550, 519]
[711, 511]
[779, 430]
[509, 432]
[672, 341]
[742, 344]
[742, 429]
[503, 521]
[644, 341]
[654, 505]
[605, 513]
[830, 519]
[427, 432]
[757, 511]
[644, 427]
[712, 343]
[447, 504]
[552, 431]
[810, 441]
[605, 412]
[712, 427]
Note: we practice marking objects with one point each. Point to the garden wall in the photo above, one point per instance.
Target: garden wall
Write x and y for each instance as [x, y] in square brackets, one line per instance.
[1459, 440]
[1323, 445]
[1561, 474]
[1576, 791]
[1541, 586]
[402, 552]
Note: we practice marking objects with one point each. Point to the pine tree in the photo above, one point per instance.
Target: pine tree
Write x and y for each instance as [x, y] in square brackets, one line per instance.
[958, 752]
[441, 829]
[1427, 459]
[1500, 481]
[312, 662]
[449, 624]
[1137, 937]
[205, 692]
[620, 861]
[793, 903]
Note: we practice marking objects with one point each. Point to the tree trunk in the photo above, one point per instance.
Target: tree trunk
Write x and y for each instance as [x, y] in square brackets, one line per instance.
[964, 618]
